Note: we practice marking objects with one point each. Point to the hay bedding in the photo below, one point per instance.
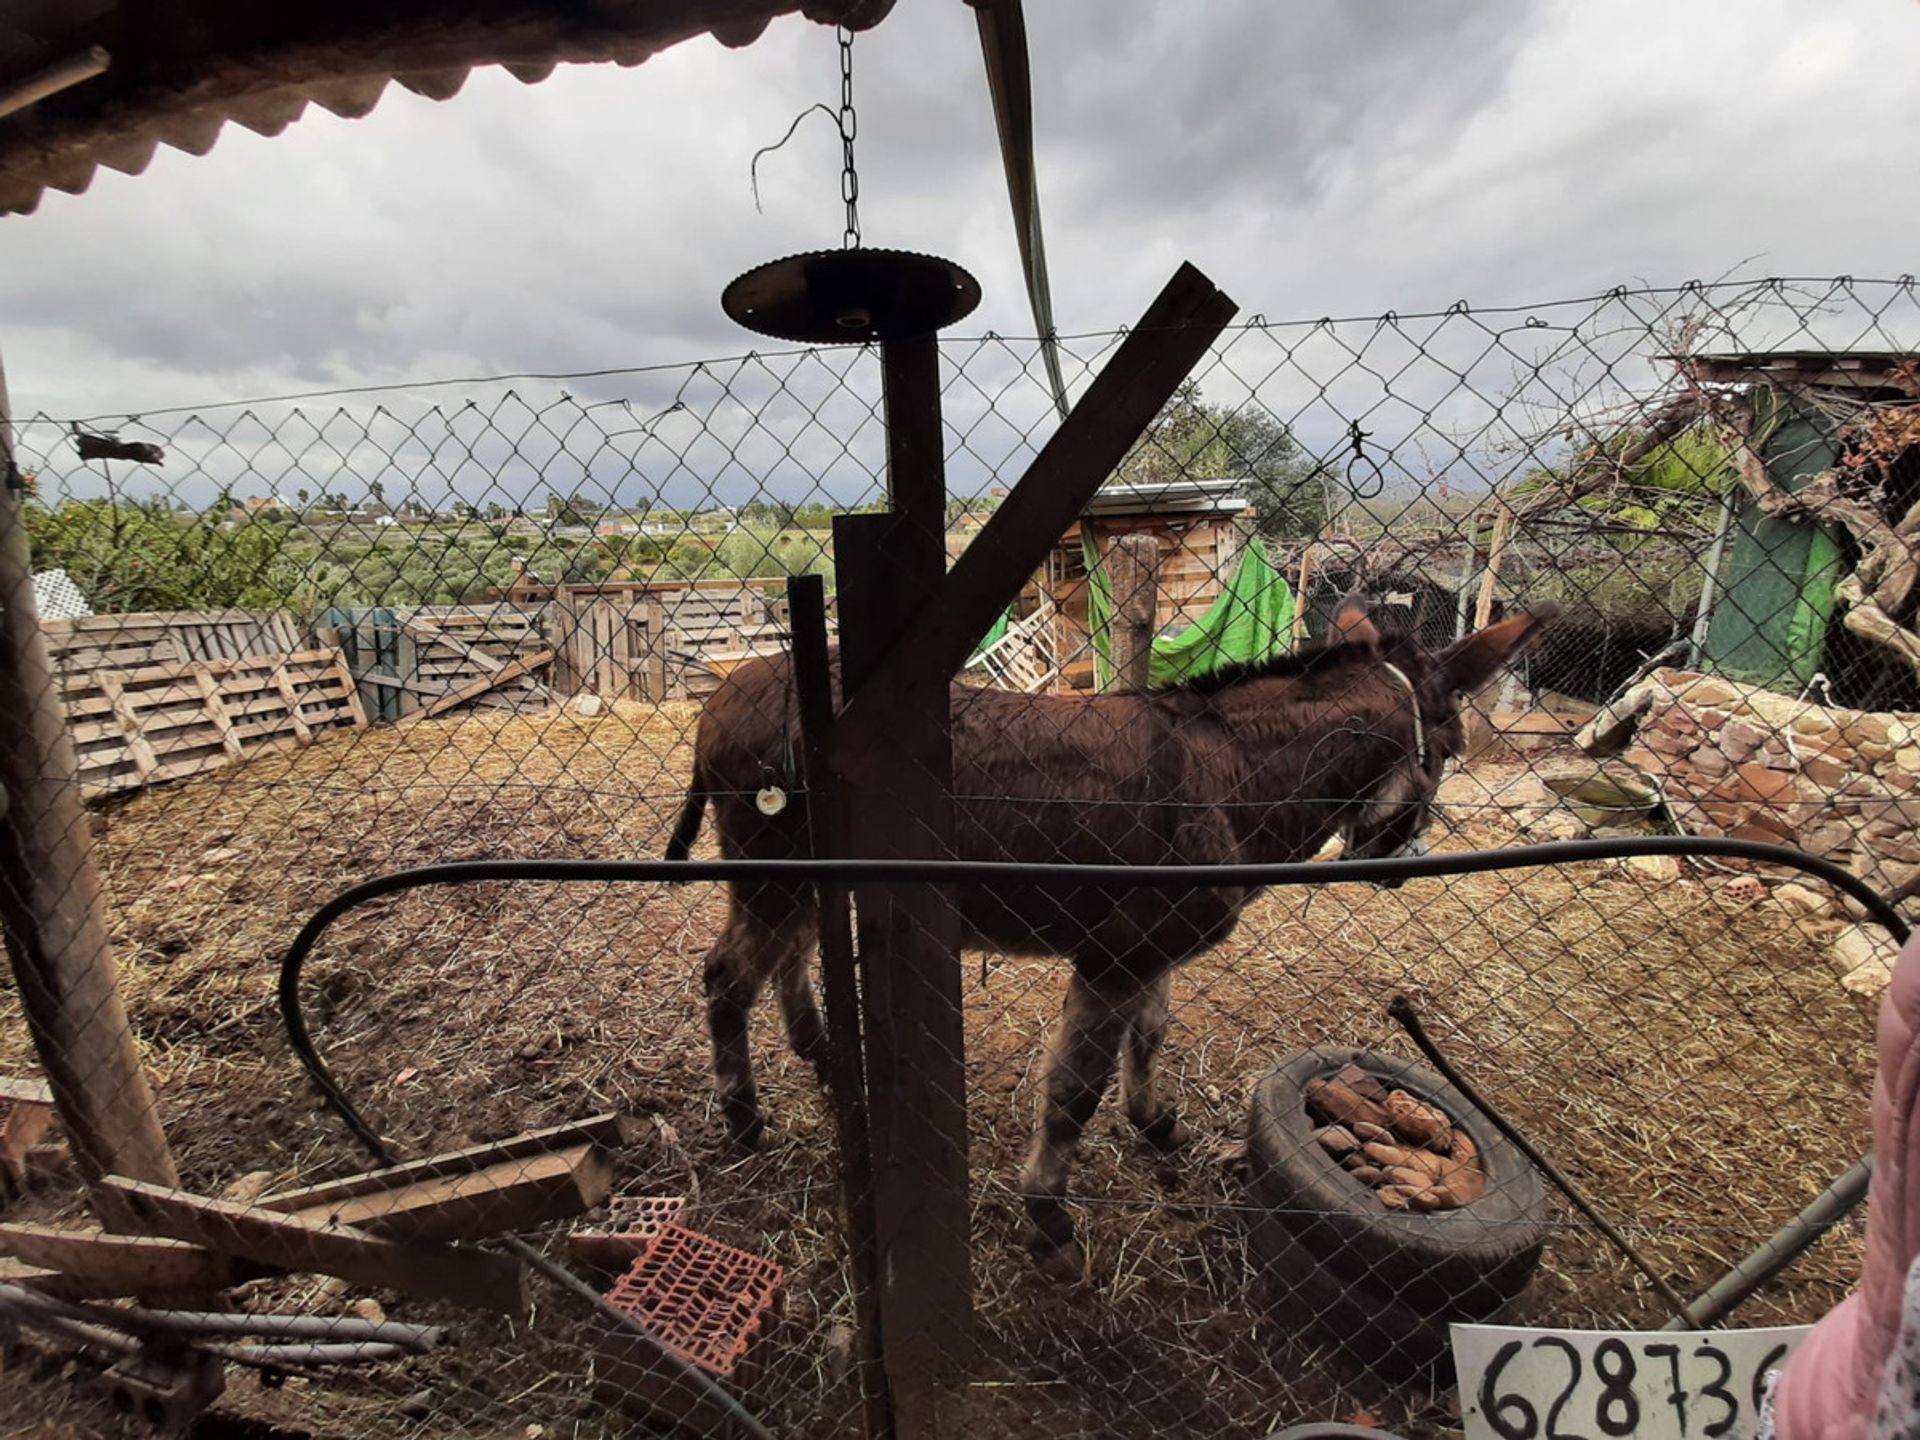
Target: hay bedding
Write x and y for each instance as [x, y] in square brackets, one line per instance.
[1699, 1071]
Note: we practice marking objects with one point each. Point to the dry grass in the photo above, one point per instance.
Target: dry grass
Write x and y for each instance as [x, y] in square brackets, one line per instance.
[1697, 1069]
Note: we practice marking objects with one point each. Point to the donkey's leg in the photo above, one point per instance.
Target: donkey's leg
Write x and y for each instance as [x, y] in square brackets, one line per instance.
[1149, 1110]
[1079, 1065]
[737, 966]
[806, 1032]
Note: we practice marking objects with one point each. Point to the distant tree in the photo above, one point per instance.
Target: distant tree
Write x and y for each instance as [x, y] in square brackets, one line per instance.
[1191, 439]
[301, 496]
[379, 492]
[144, 556]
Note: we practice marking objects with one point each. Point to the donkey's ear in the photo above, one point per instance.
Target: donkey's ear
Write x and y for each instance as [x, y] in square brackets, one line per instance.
[1351, 625]
[1470, 663]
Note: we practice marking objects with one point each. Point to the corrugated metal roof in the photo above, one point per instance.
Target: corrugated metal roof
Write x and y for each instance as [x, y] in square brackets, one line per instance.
[179, 70]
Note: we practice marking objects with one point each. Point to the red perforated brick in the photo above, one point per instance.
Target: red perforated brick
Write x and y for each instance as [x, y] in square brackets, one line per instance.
[705, 1301]
[631, 1225]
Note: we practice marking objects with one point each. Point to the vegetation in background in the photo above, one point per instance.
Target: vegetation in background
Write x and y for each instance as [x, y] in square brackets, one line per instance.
[1191, 439]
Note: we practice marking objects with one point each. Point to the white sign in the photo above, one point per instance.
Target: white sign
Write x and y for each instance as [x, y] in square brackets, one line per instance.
[1518, 1383]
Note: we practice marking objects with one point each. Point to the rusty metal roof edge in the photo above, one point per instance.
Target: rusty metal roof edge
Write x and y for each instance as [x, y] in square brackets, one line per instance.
[120, 121]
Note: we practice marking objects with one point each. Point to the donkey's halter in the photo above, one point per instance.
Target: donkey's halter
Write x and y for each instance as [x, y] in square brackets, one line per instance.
[1419, 726]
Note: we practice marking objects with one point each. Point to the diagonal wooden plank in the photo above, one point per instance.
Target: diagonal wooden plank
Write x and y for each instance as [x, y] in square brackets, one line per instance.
[475, 1278]
[1143, 374]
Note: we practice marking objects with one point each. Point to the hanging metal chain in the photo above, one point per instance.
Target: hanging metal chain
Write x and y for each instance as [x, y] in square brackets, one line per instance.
[849, 127]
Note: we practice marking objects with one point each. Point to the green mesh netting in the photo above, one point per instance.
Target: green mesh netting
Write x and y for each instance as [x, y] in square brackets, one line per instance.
[1251, 620]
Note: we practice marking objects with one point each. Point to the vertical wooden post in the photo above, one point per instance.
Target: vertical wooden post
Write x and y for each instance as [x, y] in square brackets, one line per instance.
[1133, 580]
[1496, 551]
[1300, 596]
[50, 905]
[813, 687]
[895, 801]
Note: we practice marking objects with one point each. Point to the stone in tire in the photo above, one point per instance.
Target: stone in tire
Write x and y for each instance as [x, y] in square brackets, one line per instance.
[1465, 1263]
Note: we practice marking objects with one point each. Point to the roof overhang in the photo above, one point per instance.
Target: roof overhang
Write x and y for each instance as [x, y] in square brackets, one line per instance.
[86, 83]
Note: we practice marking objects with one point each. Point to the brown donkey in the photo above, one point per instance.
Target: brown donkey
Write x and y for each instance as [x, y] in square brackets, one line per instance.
[1257, 764]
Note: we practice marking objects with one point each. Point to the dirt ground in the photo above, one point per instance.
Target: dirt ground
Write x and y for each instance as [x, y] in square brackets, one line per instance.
[1691, 1062]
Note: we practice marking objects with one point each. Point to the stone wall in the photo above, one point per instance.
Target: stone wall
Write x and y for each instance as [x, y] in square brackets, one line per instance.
[1750, 763]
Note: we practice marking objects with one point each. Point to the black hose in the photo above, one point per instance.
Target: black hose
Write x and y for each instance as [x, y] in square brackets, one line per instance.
[960, 872]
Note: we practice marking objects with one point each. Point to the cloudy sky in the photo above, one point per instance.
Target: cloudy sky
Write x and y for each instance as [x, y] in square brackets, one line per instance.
[1314, 157]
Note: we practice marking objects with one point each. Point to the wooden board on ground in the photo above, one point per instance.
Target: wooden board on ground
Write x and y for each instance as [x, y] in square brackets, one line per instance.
[475, 1278]
[122, 1264]
[505, 1196]
[609, 1130]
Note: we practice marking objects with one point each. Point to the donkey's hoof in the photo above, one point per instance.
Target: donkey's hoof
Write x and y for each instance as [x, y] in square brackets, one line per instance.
[1166, 1132]
[1062, 1261]
[745, 1127]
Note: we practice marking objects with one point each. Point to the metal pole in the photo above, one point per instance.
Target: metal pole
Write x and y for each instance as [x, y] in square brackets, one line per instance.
[1778, 1251]
[1703, 615]
[50, 905]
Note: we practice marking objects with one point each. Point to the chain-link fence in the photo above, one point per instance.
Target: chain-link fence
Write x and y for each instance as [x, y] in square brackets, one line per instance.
[303, 641]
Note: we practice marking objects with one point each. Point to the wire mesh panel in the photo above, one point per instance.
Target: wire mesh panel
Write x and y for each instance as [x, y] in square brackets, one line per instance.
[304, 641]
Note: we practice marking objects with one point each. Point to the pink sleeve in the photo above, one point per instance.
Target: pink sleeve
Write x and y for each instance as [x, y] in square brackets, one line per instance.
[1832, 1384]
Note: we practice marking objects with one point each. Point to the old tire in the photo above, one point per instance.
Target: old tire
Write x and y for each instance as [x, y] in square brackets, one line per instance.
[1463, 1263]
[1382, 1333]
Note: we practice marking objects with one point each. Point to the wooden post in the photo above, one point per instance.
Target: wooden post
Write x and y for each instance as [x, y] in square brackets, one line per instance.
[1496, 551]
[894, 801]
[50, 904]
[1300, 597]
[813, 687]
[1133, 580]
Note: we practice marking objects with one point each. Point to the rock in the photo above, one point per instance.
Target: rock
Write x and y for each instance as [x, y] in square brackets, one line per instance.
[1743, 890]
[1908, 759]
[1366, 1174]
[1466, 1183]
[369, 1309]
[1366, 1086]
[417, 1406]
[1386, 1155]
[1334, 1102]
[1337, 1140]
[1366, 1130]
[586, 703]
[1396, 1197]
[1864, 957]
[1417, 1123]
[1804, 900]
[1660, 869]
[1558, 823]
[1739, 739]
[1463, 1151]
[1824, 772]
[331, 1288]
[1435, 1197]
[1424, 1163]
[1405, 1177]
[1764, 785]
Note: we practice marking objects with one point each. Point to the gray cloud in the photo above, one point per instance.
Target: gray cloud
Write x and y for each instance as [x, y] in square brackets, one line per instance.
[1314, 158]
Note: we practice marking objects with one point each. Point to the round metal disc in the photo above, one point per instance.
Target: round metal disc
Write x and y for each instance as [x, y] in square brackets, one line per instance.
[835, 297]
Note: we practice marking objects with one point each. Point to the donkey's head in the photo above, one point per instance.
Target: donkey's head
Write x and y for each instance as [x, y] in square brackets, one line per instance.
[1424, 694]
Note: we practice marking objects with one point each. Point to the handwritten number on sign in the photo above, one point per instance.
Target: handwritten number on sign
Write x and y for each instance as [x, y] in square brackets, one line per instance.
[1618, 1412]
[1511, 1417]
[1554, 1432]
[1717, 1390]
[1773, 1358]
[1677, 1396]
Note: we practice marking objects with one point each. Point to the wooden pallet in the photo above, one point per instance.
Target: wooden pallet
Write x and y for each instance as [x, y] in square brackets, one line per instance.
[164, 722]
[161, 637]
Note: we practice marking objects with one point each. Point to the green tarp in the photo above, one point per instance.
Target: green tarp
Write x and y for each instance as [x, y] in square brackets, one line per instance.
[1251, 620]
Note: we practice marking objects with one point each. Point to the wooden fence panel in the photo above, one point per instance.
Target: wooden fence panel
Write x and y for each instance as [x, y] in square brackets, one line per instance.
[168, 721]
[158, 637]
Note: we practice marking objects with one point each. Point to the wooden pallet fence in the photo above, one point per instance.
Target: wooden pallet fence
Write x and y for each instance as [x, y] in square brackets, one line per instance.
[165, 722]
[436, 658]
[158, 637]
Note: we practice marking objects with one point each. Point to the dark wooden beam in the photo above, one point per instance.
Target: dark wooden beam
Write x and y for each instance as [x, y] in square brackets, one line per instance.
[1142, 376]
[813, 686]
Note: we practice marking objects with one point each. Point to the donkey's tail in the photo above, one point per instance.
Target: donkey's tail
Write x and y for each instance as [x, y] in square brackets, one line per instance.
[680, 846]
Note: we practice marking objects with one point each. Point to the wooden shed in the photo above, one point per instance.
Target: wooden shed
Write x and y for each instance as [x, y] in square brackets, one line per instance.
[1199, 527]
